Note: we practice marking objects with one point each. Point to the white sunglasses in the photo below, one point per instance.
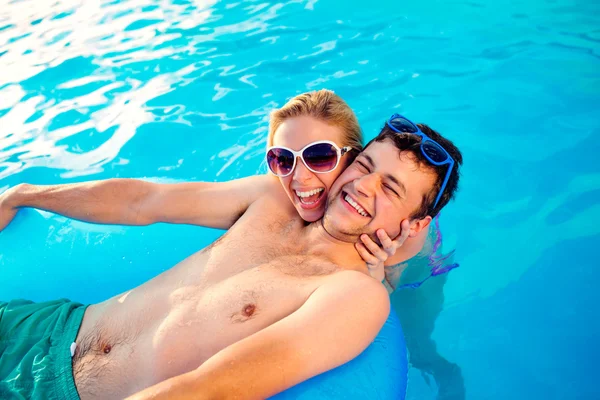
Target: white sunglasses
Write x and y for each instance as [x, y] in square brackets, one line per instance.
[319, 157]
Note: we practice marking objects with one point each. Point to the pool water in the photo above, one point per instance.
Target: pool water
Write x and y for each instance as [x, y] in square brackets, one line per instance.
[181, 90]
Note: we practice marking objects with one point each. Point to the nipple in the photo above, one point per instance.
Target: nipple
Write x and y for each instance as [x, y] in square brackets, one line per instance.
[249, 310]
[246, 312]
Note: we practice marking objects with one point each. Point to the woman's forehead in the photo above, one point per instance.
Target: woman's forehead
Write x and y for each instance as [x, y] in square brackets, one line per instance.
[297, 132]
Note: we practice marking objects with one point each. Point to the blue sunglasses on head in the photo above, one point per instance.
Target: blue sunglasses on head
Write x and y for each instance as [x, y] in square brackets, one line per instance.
[432, 150]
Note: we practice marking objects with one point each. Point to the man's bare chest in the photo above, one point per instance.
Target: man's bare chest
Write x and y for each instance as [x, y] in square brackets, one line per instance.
[276, 247]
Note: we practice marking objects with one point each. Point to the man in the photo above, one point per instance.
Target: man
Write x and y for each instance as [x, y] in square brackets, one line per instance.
[246, 319]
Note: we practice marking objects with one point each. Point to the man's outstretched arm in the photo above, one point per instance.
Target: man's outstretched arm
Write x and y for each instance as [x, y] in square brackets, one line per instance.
[137, 202]
[337, 322]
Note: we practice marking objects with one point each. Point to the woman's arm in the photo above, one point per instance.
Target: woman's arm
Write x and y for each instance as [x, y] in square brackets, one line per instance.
[137, 202]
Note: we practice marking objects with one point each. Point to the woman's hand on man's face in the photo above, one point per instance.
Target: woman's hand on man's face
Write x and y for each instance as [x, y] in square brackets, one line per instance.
[376, 255]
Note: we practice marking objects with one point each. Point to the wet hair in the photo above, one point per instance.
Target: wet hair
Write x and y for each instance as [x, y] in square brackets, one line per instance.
[410, 143]
[325, 106]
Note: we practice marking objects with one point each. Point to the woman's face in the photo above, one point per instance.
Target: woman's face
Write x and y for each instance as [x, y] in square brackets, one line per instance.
[308, 190]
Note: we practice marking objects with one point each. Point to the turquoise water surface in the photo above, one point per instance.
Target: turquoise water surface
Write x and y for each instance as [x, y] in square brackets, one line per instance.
[181, 90]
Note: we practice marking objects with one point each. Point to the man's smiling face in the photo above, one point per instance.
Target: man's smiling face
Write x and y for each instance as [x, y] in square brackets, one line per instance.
[380, 189]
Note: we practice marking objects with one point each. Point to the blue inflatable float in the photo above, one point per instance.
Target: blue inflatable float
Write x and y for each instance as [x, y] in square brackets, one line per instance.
[44, 256]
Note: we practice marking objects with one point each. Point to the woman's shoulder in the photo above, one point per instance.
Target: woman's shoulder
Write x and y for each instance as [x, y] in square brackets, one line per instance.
[271, 193]
[267, 185]
[259, 185]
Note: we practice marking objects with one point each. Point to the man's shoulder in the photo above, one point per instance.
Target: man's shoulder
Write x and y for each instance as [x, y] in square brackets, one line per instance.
[351, 302]
[355, 285]
[352, 279]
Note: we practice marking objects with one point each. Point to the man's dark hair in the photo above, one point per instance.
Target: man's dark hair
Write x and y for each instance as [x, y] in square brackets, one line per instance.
[411, 143]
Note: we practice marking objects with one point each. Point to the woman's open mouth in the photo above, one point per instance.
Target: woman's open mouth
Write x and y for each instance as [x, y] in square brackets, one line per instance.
[311, 198]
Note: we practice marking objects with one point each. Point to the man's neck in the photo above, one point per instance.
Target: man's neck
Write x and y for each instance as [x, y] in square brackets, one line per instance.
[318, 241]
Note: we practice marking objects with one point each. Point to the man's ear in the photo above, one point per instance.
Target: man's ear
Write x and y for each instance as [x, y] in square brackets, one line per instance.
[417, 225]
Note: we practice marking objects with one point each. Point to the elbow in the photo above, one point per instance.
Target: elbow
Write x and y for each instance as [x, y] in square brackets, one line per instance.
[137, 202]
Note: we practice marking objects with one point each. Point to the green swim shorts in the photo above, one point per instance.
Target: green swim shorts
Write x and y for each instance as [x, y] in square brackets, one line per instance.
[35, 349]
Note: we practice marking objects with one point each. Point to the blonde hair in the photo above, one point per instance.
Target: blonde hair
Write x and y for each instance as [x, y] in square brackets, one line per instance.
[325, 106]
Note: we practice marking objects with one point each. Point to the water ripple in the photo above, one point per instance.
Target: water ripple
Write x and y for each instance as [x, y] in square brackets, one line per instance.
[87, 86]
[182, 90]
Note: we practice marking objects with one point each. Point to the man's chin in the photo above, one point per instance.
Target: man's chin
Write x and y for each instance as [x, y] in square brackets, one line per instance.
[343, 233]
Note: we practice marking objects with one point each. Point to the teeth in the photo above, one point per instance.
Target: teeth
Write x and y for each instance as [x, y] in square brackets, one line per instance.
[309, 193]
[354, 204]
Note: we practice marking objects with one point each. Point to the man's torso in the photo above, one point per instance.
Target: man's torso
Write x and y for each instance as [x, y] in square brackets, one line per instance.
[247, 280]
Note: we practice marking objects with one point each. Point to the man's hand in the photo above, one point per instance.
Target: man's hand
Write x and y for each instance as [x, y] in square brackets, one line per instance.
[8, 207]
[375, 256]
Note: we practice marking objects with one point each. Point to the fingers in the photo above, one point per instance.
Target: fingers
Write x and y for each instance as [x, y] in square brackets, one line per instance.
[369, 258]
[374, 248]
[390, 246]
[386, 242]
[375, 265]
[405, 226]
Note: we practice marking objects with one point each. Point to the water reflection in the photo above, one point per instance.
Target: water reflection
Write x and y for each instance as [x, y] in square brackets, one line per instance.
[418, 310]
